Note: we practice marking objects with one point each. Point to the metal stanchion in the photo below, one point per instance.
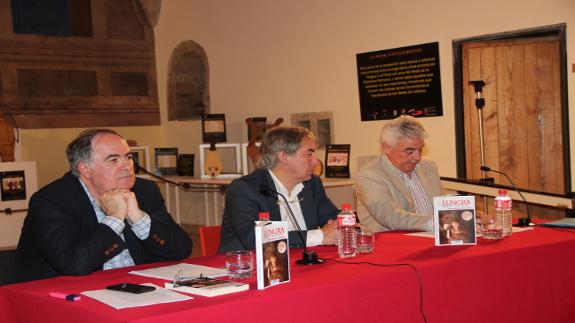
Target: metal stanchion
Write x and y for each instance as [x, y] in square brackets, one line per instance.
[479, 104]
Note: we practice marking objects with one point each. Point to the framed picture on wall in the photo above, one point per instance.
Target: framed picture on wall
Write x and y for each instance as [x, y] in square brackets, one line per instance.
[320, 123]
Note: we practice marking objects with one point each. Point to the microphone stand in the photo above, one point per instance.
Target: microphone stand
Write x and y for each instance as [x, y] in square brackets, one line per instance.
[523, 222]
[309, 257]
[185, 186]
[479, 104]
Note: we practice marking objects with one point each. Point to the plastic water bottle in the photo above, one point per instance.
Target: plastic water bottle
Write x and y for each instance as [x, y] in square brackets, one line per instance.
[503, 212]
[346, 236]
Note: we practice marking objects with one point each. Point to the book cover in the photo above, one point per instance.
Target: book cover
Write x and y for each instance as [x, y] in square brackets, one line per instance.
[454, 218]
[209, 287]
[272, 253]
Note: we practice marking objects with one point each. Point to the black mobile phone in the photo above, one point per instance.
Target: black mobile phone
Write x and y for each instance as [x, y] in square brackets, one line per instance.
[131, 288]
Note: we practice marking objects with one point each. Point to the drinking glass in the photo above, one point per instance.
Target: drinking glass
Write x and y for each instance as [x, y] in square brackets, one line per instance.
[239, 264]
[365, 240]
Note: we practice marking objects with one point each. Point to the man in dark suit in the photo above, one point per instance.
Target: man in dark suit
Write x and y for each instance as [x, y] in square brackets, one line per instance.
[97, 216]
[286, 166]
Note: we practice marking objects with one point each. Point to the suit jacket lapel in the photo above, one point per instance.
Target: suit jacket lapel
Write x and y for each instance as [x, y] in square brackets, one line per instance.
[397, 181]
[82, 201]
[271, 198]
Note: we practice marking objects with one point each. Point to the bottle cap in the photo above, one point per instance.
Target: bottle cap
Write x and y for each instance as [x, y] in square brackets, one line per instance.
[264, 216]
[346, 206]
[502, 192]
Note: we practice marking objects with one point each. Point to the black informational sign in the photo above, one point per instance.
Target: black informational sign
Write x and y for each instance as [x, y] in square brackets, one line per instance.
[400, 81]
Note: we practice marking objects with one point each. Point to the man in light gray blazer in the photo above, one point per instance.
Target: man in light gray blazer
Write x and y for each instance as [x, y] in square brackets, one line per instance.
[397, 188]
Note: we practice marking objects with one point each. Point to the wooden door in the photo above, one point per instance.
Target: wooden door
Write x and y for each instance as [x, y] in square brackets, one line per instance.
[522, 115]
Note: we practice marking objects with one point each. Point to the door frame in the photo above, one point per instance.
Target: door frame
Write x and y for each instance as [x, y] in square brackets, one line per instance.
[558, 30]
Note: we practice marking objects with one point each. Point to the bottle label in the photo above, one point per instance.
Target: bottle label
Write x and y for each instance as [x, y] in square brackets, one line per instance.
[504, 203]
[346, 220]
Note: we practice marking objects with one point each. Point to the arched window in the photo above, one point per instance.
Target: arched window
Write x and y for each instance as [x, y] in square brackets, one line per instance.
[188, 82]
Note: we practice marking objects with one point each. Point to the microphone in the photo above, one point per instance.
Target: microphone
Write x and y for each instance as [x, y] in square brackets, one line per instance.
[521, 221]
[185, 186]
[309, 257]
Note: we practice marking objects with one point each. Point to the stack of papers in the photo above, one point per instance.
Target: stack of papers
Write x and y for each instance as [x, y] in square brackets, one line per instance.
[119, 300]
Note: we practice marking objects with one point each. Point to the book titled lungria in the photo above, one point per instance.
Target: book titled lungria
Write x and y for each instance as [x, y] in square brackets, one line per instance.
[455, 220]
[272, 253]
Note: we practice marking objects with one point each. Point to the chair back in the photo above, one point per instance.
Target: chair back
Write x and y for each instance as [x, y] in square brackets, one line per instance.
[7, 258]
[210, 239]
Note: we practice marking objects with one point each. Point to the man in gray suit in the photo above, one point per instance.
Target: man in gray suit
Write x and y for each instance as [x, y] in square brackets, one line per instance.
[398, 187]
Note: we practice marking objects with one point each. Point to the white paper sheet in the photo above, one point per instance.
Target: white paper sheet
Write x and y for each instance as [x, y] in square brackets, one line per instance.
[119, 300]
[431, 235]
[188, 270]
[424, 234]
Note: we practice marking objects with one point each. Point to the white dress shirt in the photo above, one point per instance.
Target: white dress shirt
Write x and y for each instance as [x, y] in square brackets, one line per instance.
[423, 202]
[141, 229]
[314, 236]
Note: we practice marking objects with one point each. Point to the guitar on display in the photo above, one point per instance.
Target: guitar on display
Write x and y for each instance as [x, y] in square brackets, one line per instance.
[256, 129]
[213, 164]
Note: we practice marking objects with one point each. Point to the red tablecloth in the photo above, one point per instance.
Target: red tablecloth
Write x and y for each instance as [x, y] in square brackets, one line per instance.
[528, 277]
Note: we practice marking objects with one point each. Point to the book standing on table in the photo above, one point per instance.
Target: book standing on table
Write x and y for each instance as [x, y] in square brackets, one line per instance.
[272, 253]
[454, 218]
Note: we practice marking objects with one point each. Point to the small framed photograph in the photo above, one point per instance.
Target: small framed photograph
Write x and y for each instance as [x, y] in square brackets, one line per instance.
[186, 165]
[13, 185]
[214, 128]
[166, 161]
[141, 157]
[337, 161]
[17, 184]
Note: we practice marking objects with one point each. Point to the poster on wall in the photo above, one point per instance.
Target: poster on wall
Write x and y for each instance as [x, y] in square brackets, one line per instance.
[400, 81]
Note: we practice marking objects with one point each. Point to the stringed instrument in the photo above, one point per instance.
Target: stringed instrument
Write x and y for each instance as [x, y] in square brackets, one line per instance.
[253, 150]
[213, 164]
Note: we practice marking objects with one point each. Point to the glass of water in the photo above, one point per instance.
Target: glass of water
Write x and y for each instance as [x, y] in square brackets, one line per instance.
[365, 240]
[239, 264]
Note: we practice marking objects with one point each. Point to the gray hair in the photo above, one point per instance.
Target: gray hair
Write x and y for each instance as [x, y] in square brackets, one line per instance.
[403, 126]
[276, 140]
[80, 149]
